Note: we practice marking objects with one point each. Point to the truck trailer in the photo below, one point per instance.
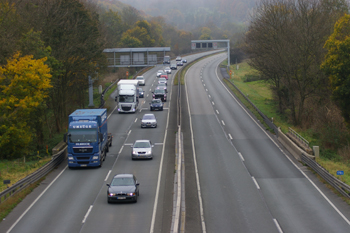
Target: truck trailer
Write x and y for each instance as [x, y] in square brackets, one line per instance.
[128, 96]
[88, 139]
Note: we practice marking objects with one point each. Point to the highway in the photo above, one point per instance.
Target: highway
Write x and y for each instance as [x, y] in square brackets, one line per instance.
[247, 182]
[237, 177]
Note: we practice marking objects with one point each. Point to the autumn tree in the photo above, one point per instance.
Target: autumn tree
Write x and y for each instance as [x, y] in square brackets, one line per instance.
[113, 28]
[337, 64]
[24, 85]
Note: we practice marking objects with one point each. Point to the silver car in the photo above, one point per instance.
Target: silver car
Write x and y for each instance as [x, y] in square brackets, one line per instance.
[141, 80]
[167, 70]
[162, 80]
[142, 149]
[149, 120]
[160, 72]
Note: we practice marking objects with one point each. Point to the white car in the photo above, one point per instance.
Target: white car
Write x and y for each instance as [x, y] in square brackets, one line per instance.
[167, 70]
[142, 149]
[178, 58]
[159, 73]
[141, 80]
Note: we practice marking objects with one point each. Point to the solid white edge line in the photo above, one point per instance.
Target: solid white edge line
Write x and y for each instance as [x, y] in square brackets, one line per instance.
[277, 225]
[240, 155]
[108, 175]
[87, 214]
[195, 163]
[25, 212]
[315, 186]
[178, 198]
[256, 183]
[159, 176]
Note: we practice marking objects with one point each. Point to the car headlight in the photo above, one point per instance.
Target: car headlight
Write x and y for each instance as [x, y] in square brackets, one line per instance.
[131, 194]
[148, 152]
[134, 152]
[70, 158]
[111, 194]
[95, 157]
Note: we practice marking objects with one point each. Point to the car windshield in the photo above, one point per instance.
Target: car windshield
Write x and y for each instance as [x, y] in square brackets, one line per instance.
[139, 78]
[161, 85]
[140, 90]
[148, 117]
[83, 135]
[156, 101]
[160, 71]
[159, 91]
[123, 181]
[162, 79]
[126, 98]
[142, 145]
[167, 68]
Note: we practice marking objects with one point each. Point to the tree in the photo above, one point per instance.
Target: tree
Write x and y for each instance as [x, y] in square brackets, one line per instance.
[24, 85]
[285, 43]
[337, 65]
[113, 26]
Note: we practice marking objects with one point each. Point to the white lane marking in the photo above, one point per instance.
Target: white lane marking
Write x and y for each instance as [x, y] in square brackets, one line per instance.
[108, 175]
[315, 186]
[206, 89]
[25, 212]
[136, 118]
[212, 102]
[278, 225]
[87, 214]
[223, 123]
[129, 132]
[256, 183]
[240, 155]
[147, 95]
[121, 149]
[217, 112]
[201, 211]
[209, 96]
[203, 84]
[230, 136]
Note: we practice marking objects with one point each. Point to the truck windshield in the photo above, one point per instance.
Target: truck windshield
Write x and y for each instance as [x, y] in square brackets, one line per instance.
[126, 98]
[83, 135]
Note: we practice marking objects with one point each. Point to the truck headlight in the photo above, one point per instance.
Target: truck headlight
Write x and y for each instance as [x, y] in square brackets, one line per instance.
[95, 157]
[70, 158]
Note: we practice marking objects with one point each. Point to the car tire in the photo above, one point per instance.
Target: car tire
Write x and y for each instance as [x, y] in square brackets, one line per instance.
[108, 201]
[161, 109]
[151, 109]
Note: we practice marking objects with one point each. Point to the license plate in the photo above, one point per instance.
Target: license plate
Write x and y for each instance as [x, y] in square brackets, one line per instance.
[83, 165]
[120, 198]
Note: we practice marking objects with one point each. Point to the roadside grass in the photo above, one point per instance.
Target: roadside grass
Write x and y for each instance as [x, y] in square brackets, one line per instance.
[260, 94]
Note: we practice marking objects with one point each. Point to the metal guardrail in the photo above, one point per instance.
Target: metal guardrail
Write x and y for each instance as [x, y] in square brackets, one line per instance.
[266, 119]
[343, 188]
[35, 176]
[298, 136]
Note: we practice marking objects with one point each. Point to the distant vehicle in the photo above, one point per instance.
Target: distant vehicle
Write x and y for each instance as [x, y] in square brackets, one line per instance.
[156, 104]
[162, 86]
[164, 76]
[160, 72]
[162, 80]
[149, 120]
[179, 63]
[123, 187]
[167, 70]
[166, 60]
[142, 149]
[160, 94]
[178, 58]
[173, 66]
[141, 93]
[184, 61]
[141, 80]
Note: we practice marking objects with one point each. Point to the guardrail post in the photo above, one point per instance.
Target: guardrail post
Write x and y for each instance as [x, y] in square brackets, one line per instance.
[316, 150]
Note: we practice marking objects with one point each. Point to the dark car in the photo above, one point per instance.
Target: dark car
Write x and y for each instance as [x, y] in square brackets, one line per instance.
[173, 66]
[179, 63]
[141, 93]
[156, 104]
[162, 86]
[160, 94]
[149, 120]
[184, 61]
[124, 187]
